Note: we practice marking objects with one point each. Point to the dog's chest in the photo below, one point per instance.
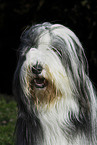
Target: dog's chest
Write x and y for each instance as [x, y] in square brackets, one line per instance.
[53, 135]
[52, 130]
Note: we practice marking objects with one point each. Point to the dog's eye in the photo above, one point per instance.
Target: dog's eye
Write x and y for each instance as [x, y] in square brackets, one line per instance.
[59, 52]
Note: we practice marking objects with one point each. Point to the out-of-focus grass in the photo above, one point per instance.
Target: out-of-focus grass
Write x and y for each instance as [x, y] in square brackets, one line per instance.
[8, 114]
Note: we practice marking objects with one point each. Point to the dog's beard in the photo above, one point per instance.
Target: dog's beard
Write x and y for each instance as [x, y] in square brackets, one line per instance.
[42, 90]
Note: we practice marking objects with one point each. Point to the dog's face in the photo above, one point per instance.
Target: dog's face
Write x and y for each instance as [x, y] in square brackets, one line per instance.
[42, 74]
[51, 64]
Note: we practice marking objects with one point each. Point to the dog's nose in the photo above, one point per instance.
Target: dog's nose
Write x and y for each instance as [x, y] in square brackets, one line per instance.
[37, 69]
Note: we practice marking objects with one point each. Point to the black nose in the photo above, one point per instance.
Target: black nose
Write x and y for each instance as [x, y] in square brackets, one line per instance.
[37, 69]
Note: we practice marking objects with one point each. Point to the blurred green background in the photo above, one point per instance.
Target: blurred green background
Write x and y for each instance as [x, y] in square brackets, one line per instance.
[8, 114]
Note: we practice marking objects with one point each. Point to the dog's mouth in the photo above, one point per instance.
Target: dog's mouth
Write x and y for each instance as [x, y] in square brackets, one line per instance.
[40, 82]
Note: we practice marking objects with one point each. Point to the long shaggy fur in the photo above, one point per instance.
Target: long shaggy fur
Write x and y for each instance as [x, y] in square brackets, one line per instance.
[56, 100]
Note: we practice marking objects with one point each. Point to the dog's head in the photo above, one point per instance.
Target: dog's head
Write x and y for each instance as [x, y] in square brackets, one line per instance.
[51, 65]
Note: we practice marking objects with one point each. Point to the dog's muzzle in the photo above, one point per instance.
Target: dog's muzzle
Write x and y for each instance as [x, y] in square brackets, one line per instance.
[38, 81]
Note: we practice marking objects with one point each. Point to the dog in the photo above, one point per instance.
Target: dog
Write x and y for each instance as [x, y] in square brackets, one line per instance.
[57, 104]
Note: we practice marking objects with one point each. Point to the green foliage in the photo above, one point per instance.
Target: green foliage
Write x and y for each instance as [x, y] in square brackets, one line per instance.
[8, 115]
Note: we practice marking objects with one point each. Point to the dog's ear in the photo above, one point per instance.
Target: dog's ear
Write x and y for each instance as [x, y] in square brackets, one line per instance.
[28, 130]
